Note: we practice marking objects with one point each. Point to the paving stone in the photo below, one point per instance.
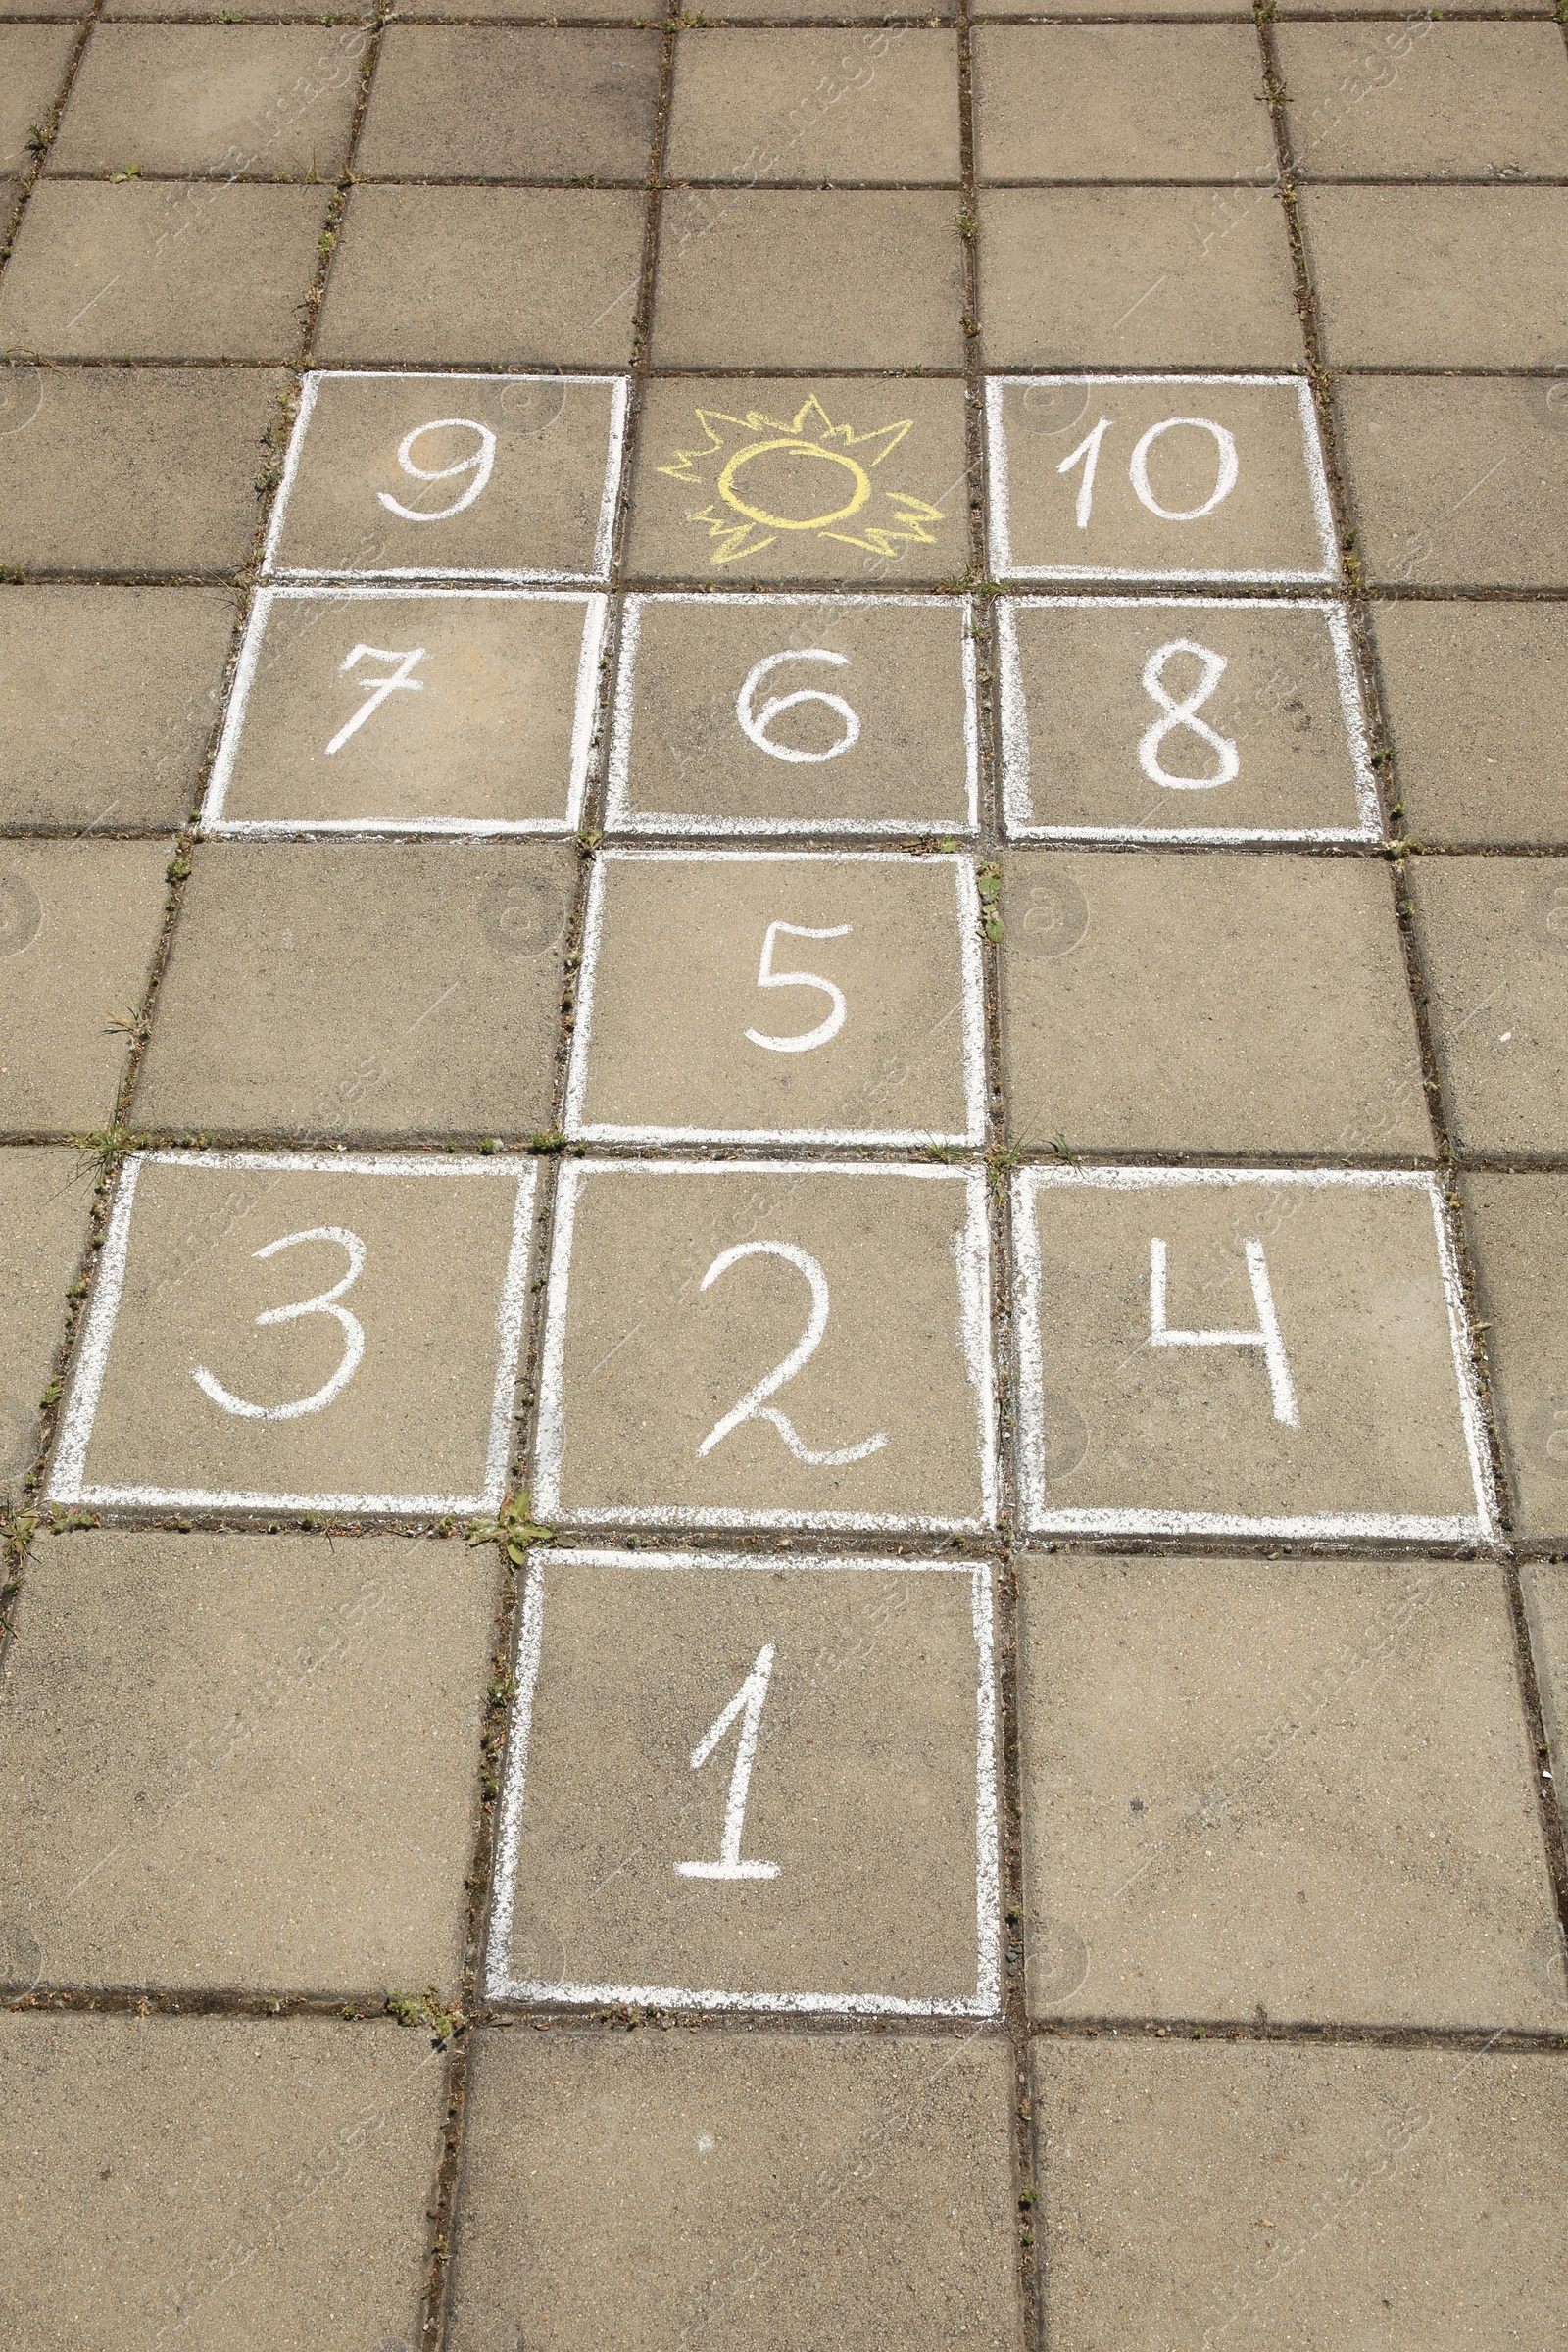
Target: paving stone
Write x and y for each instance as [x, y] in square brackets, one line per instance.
[241, 11]
[1417, 99]
[1143, 9]
[479, 716]
[465, 476]
[1136, 276]
[1472, 697]
[1116, 721]
[53, 8]
[32, 65]
[876, 105]
[122, 470]
[1120, 101]
[215, 1747]
[1177, 477]
[1457, 484]
[45, 1198]
[162, 270]
[108, 701]
[865, 1857]
[1388, 2197]
[562, 11]
[263, 2180]
[332, 988]
[507, 276]
[1444, 277]
[1545, 1597]
[1517, 1226]
[849, 479]
[1170, 1003]
[841, 11]
[770, 2191]
[776, 277]
[511, 103]
[269, 100]
[873, 727]
[887, 1422]
[1302, 1792]
[80, 922]
[1493, 935]
[186, 1394]
[1298, 1373]
[878, 1030]
[1376, 7]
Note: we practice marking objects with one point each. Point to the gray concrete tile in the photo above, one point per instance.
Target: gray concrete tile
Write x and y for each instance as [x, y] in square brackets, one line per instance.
[269, 100]
[240, 12]
[211, 1376]
[45, 1199]
[862, 1865]
[1120, 101]
[1227, 1354]
[1545, 1597]
[1299, 1789]
[33, 67]
[1471, 695]
[1141, 9]
[872, 724]
[1517, 1226]
[847, 10]
[788, 2190]
[1439, 277]
[507, 276]
[107, 702]
[773, 278]
[80, 921]
[1393, 2198]
[260, 2180]
[1136, 277]
[88, 474]
[1493, 935]
[511, 103]
[215, 1747]
[52, 8]
[1423, 100]
[678, 1292]
[162, 270]
[880, 104]
[1457, 484]
[361, 988]
[1170, 1003]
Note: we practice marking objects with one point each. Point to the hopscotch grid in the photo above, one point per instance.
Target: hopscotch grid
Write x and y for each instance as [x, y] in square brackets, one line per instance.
[971, 983]
[1317, 486]
[609, 498]
[1409, 1527]
[502, 1986]
[1012, 702]
[67, 1482]
[975, 1341]
[213, 819]
[680, 824]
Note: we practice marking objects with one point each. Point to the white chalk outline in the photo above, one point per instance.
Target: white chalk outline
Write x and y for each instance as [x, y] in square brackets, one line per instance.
[680, 824]
[1016, 790]
[603, 531]
[973, 1283]
[971, 981]
[1318, 485]
[67, 1482]
[984, 2001]
[596, 605]
[1410, 1526]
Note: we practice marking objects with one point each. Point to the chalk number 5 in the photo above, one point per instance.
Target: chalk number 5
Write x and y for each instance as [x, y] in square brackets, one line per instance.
[766, 977]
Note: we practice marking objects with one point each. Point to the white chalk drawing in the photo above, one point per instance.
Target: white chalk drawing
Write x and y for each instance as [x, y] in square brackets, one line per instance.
[479, 465]
[1184, 715]
[754, 1406]
[1226, 471]
[833, 1021]
[399, 680]
[747, 1703]
[1267, 1335]
[754, 723]
[323, 1304]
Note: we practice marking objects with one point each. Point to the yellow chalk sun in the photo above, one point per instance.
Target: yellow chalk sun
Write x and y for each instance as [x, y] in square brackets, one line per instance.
[768, 474]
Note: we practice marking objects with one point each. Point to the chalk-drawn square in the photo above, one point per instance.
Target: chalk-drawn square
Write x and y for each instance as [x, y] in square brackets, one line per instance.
[753, 1783]
[471, 712]
[283, 1331]
[500, 478]
[767, 714]
[760, 1345]
[1203, 721]
[743, 996]
[1157, 478]
[1223, 1353]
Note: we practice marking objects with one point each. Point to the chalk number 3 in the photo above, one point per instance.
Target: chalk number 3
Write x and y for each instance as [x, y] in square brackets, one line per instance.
[324, 1304]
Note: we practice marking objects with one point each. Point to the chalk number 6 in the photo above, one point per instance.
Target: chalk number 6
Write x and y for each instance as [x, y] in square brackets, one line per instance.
[323, 1304]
